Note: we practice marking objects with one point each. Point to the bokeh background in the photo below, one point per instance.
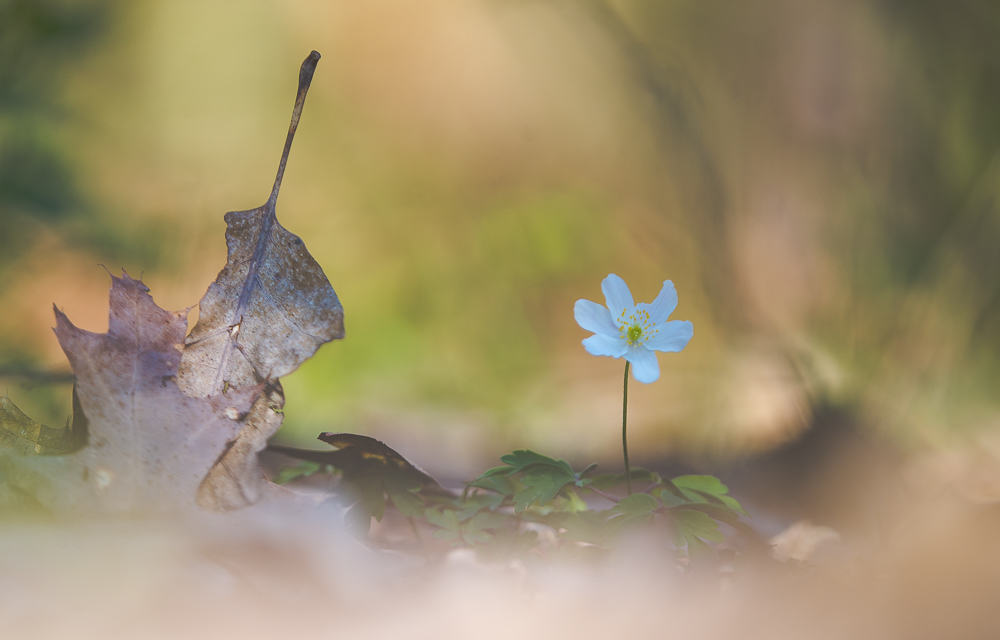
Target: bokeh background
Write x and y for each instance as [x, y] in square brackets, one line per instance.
[819, 179]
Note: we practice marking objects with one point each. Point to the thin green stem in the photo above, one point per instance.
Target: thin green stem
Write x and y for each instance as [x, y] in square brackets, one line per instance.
[628, 471]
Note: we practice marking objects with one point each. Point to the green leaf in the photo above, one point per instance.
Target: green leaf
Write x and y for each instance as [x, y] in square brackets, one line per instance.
[716, 511]
[633, 511]
[671, 499]
[692, 523]
[733, 504]
[575, 502]
[584, 526]
[636, 503]
[486, 520]
[541, 478]
[624, 521]
[369, 491]
[541, 484]
[358, 520]
[698, 550]
[471, 505]
[446, 519]
[522, 459]
[501, 484]
[476, 537]
[493, 472]
[708, 484]
[409, 503]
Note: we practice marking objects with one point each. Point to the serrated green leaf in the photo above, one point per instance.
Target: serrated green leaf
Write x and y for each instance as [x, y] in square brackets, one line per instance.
[624, 521]
[408, 503]
[708, 497]
[696, 523]
[522, 459]
[486, 520]
[492, 472]
[669, 498]
[584, 526]
[733, 504]
[471, 505]
[476, 537]
[698, 550]
[692, 496]
[575, 502]
[499, 483]
[716, 511]
[541, 484]
[708, 484]
[445, 534]
[446, 519]
[636, 503]
[367, 490]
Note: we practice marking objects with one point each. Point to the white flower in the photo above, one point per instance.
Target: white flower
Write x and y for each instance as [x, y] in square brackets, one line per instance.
[634, 331]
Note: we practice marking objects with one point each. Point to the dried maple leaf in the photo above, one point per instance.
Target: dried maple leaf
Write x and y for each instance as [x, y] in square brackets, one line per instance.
[149, 445]
[269, 309]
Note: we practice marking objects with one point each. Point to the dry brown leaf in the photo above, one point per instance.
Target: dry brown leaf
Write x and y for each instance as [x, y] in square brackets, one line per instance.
[270, 308]
[237, 480]
[149, 446]
[357, 455]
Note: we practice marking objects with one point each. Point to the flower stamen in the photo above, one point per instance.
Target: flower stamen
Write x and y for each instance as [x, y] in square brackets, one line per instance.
[634, 334]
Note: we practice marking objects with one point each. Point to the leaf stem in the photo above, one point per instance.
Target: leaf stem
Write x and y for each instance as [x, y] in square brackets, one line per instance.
[601, 493]
[628, 470]
[305, 79]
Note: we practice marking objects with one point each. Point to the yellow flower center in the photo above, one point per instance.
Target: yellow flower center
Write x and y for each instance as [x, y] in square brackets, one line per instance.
[636, 327]
[634, 333]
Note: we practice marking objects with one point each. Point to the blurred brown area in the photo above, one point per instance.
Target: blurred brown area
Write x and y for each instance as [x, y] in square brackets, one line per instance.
[818, 179]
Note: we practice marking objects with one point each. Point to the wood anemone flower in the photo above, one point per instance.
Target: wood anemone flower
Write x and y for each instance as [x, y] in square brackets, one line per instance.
[633, 331]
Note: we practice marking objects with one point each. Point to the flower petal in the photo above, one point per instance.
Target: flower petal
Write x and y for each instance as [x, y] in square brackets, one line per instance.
[617, 295]
[671, 336]
[664, 304]
[593, 317]
[600, 345]
[645, 368]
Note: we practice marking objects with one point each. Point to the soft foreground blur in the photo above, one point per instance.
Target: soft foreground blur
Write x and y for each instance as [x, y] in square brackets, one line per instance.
[268, 573]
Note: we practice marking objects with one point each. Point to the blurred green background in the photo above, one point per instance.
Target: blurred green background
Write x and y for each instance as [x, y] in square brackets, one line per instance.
[819, 180]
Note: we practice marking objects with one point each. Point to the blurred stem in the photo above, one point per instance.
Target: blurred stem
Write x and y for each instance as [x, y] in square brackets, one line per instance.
[628, 471]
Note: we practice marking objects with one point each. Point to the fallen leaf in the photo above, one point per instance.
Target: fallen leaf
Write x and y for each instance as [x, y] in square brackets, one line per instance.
[149, 445]
[269, 309]
[22, 435]
[370, 471]
[236, 480]
[357, 455]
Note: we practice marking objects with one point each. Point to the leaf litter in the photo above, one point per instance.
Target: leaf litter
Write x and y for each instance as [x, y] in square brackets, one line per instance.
[162, 421]
[149, 445]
